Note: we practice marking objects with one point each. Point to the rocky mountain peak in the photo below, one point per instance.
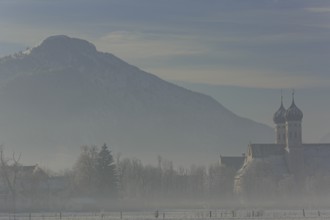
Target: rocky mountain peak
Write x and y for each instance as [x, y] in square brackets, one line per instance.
[65, 44]
[64, 50]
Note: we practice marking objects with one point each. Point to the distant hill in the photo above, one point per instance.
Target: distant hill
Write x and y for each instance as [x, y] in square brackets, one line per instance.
[64, 93]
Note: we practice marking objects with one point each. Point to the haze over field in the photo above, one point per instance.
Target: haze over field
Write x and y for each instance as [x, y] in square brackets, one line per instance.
[132, 102]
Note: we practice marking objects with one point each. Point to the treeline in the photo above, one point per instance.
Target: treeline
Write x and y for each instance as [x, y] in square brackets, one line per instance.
[129, 179]
[96, 173]
[98, 181]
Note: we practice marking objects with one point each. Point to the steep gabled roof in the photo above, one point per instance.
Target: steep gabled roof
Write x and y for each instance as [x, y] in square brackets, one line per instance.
[232, 162]
[265, 150]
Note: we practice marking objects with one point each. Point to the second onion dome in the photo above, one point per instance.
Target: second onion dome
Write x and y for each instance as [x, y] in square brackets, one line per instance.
[293, 113]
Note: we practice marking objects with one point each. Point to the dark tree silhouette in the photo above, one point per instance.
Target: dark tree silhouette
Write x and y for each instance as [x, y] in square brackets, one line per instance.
[106, 169]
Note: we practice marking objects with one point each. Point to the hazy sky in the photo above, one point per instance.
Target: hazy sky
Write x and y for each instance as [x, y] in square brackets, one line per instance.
[241, 52]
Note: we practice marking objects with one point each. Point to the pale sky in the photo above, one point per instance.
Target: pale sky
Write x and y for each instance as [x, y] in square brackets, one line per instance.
[240, 52]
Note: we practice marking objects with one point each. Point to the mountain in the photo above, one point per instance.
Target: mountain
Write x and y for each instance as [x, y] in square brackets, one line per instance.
[64, 93]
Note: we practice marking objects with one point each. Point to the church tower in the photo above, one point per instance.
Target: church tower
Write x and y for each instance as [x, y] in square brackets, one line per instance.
[294, 148]
[293, 117]
[279, 120]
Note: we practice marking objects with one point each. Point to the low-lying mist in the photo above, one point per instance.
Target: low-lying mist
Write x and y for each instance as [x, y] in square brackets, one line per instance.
[98, 181]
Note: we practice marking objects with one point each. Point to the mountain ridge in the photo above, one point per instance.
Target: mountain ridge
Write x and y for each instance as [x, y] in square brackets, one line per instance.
[69, 94]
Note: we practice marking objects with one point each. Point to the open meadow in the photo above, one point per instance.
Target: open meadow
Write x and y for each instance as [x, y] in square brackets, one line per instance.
[198, 214]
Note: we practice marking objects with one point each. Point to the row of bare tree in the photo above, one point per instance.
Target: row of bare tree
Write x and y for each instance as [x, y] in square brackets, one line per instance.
[97, 176]
[130, 178]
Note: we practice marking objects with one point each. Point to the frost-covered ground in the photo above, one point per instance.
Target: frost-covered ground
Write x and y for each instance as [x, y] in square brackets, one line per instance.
[175, 215]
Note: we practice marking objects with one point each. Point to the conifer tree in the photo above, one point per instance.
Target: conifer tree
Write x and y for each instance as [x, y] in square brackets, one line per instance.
[106, 169]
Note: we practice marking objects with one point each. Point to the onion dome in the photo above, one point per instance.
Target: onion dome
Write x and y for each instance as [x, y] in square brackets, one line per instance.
[279, 115]
[293, 113]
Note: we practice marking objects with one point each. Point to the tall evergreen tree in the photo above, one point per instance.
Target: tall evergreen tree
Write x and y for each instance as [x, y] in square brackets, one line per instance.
[106, 169]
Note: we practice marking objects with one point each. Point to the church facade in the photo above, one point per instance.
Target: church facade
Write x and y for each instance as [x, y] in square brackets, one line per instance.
[288, 156]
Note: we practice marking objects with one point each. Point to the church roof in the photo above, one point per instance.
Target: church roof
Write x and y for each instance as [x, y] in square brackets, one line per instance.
[232, 162]
[265, 150]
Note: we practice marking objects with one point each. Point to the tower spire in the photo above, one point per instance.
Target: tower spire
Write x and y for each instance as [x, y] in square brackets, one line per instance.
[292, 95]
[281, 97]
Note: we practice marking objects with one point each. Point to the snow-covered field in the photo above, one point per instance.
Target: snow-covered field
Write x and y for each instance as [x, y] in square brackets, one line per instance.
[175, 215]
